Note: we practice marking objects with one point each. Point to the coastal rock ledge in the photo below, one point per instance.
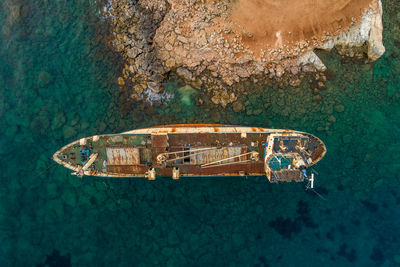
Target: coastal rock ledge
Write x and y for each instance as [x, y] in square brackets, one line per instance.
[214, 45]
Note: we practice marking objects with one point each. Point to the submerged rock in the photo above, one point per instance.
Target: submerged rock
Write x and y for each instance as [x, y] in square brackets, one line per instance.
[184, 73]
[120, 81]
[44, 78]
[339, 108]
[215, 116]
[68, 132]
[154, 86]
[58, 121]
[237, 106]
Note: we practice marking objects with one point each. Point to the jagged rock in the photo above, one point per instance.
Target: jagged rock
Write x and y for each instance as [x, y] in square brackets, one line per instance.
[168, 46]
[294, 70]
[120, 81]
[154, 86]
[311, 58]
[308, 68]
[202, 39]
[182, 39]
[164, 55]
[133, 52]
[184, 73]
[138, 88]
[170, 63]
[279, 71]
[215, 99]
[197, 83]
[241, 71]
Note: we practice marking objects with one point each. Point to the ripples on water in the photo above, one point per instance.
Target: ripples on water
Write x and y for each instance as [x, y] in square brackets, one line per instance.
[57, 85]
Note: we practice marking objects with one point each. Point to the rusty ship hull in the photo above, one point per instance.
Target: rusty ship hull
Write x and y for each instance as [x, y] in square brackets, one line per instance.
[189, 150]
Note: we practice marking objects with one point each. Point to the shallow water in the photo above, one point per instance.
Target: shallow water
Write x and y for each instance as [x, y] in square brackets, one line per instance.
[57, 84]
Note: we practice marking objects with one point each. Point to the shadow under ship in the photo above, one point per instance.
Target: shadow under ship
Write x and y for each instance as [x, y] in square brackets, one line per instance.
[195, 150]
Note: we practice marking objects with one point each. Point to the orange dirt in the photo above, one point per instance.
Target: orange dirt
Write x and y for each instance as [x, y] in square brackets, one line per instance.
[275, 23]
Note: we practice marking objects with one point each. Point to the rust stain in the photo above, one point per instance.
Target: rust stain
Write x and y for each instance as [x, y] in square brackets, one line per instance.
[193, 125]
[159, 140]
[216, 129]
[128, 170]
[122, 156]
[216, 154]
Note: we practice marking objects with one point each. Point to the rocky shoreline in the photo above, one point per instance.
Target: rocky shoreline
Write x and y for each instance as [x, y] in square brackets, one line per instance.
[198, 41]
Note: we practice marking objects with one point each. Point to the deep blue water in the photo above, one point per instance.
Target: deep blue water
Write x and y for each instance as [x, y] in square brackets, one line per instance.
[57, 84]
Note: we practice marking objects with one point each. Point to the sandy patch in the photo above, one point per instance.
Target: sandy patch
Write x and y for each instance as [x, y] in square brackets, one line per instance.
[275, 23]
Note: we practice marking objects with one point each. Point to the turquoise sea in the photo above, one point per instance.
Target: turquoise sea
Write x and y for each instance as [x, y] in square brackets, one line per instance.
[57, 84]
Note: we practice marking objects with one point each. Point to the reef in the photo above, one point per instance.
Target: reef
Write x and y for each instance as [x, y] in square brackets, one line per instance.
[216, 45]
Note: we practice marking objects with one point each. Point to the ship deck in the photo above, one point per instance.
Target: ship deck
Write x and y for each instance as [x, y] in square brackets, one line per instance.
[134, 154]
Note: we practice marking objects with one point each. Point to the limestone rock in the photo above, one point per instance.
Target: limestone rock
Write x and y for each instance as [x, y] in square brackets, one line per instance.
[120, 81]
[133, 52]
[369, 31]
[279, 71]
[311, 58]
[375, 44]
[184, 73]
[164, 55]
[139, 88]
[154, 86]
[170, 63]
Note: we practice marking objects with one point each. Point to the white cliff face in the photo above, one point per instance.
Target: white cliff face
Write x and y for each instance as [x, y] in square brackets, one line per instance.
[311, 58]
[376, 48]
[369, 32]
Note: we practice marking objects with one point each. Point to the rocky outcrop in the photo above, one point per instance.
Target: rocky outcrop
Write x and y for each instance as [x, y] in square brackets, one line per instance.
[198, 41]
[134, 27]
[367, 33]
